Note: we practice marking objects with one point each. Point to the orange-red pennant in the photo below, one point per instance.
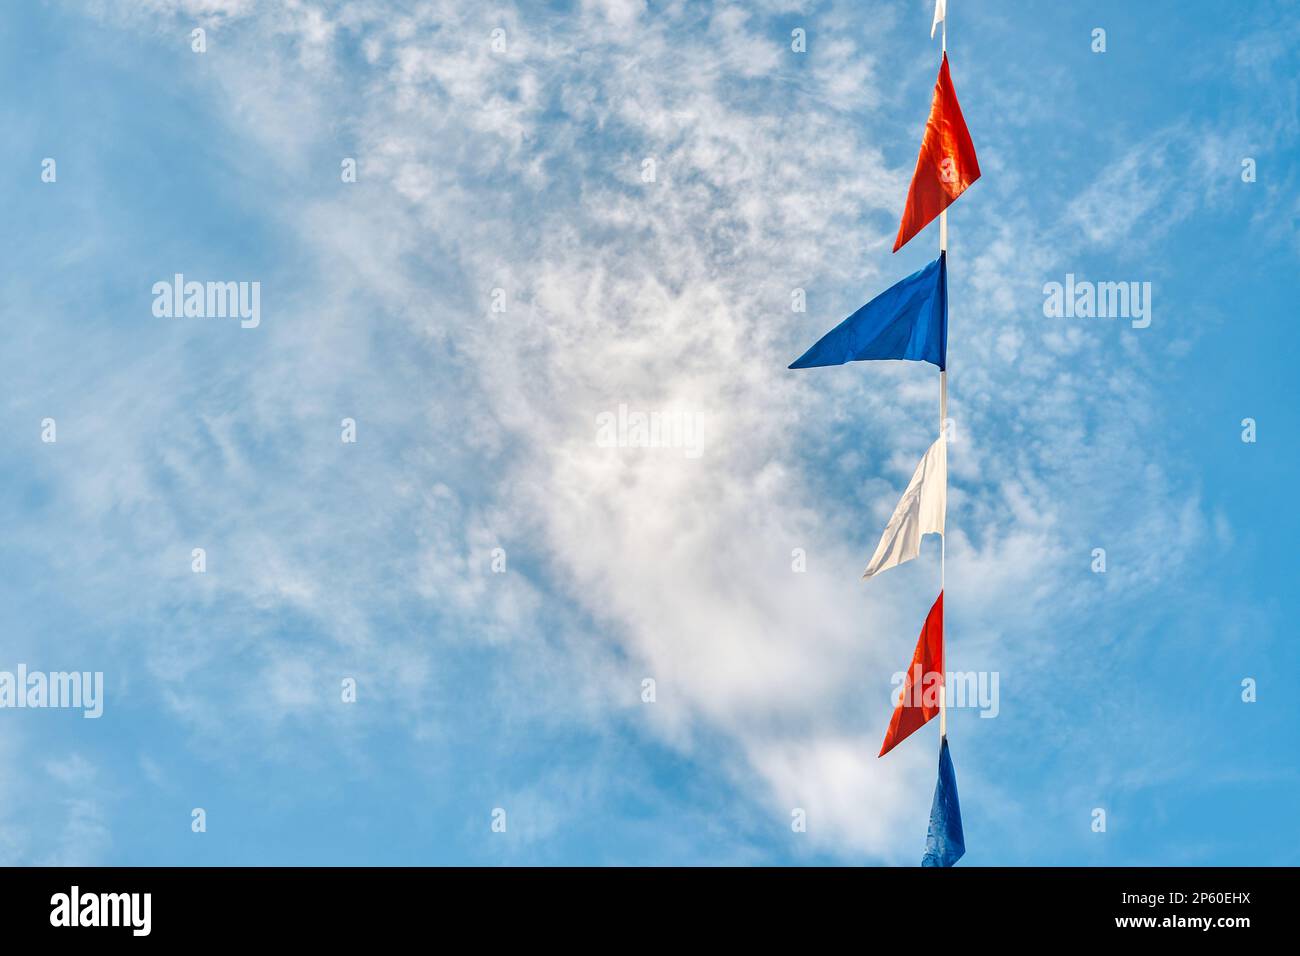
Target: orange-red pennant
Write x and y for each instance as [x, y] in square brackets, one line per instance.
[920, 700]
[946, 165]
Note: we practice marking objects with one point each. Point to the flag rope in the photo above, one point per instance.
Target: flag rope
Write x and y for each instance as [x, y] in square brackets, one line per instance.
[943, 436]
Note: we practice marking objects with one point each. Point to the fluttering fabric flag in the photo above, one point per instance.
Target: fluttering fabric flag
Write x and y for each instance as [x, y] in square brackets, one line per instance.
[920, 511]
[946, 164]
[940, 11]
[909, 320]
[945, 844]
[920, 701]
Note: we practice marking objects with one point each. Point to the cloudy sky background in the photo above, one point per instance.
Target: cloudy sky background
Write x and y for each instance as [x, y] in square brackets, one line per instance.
[477, 430]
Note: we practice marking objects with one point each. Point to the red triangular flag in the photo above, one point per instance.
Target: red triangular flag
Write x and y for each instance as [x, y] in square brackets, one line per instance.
[920, 701]
[946, 166]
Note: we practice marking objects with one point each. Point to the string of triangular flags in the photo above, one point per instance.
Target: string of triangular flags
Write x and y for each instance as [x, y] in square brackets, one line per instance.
[909, 321]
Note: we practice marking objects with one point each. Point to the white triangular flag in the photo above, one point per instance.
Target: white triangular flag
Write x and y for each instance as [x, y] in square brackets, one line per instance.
[940, 12]
[920, 511]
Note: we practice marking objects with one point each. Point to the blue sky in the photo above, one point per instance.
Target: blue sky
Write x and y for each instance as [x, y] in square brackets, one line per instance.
[521, 170]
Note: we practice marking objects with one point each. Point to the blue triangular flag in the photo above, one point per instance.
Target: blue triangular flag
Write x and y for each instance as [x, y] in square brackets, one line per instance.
[909, 320]
[945, 844]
